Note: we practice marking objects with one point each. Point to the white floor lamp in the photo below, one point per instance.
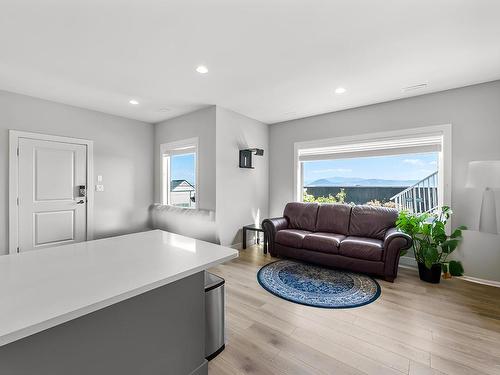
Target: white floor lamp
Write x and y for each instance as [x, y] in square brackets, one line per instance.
[485, 175]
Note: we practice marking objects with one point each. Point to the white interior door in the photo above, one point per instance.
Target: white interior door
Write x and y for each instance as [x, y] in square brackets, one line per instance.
[52, 209]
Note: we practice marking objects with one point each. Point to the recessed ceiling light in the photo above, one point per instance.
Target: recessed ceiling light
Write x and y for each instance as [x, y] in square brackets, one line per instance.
[133, 102]
[164, 109]
[202, 69]
[340, 90]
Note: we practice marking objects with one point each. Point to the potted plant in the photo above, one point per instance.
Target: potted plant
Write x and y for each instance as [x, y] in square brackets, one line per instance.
[431, 244]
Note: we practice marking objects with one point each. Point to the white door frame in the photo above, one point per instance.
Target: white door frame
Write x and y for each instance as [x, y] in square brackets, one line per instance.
[14, 136]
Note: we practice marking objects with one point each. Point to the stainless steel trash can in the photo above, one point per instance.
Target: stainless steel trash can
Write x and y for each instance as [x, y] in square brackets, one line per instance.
[214, 315]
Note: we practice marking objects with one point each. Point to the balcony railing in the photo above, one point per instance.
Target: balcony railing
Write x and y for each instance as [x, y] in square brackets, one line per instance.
[420, 197]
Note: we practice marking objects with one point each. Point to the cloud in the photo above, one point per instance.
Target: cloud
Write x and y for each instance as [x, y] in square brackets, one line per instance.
[433, 162]
[332, 170]
[416, 162]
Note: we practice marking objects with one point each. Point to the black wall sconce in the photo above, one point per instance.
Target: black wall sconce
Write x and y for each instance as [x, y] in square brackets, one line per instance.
[246, 156]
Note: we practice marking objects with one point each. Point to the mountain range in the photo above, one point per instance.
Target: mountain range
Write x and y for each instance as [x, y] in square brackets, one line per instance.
[357, 181]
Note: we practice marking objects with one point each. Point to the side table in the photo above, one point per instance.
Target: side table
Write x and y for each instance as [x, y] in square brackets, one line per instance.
[256, 228]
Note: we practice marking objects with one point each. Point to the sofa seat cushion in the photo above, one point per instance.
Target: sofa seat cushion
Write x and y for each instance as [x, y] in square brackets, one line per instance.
[323, 242]
[362, 248]
[291, 237]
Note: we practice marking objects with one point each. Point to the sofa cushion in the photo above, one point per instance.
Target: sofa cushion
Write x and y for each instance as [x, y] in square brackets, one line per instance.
[373, 222]
[301, 215]
[291, 237]
[361, 248]
[333, 218]
[323, 242]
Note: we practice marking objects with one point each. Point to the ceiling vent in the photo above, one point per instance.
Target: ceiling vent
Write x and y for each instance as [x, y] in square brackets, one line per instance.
[415, 87]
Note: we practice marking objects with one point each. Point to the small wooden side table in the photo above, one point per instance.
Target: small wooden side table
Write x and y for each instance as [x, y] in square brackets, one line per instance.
[256, 228]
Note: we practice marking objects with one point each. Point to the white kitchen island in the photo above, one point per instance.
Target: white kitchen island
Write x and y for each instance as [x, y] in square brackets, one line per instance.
[131, 304]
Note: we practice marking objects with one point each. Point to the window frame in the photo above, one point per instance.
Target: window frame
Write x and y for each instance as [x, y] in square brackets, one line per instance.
[180, 147]
[444, 162]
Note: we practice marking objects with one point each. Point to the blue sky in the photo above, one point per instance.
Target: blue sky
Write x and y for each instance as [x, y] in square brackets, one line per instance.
[398, 167]
[182, 168]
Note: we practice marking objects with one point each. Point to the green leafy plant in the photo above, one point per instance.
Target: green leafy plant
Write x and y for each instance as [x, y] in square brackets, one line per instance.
[377, 203]
[431, 244]
[338, 198]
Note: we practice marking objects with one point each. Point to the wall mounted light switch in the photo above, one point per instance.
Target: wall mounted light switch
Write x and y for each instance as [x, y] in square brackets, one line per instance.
[99, 188]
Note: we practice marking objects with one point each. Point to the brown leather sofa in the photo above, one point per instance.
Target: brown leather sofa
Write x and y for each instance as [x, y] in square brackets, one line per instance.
[358, 238]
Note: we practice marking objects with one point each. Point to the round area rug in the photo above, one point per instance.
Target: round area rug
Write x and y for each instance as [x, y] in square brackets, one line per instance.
[317, 286]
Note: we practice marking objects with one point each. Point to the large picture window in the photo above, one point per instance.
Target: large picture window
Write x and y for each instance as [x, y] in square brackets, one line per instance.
[404, 181]
[179, 173]
[406, 172]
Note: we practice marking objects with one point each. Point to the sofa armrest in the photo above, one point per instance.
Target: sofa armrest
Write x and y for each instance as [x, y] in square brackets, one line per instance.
[403, 239]
[271, 227]
[275, 224]
[394, 242]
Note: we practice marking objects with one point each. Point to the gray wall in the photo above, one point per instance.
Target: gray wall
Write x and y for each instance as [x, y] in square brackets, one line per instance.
[234, 196]
[199, 124]
[474, 113]
[123, 155]
[242, 194]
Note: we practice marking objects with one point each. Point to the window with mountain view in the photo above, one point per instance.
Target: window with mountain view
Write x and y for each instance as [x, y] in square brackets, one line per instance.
[404, 181]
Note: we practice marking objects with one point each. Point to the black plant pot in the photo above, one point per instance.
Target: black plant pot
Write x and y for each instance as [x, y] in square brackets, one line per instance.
[432, 275]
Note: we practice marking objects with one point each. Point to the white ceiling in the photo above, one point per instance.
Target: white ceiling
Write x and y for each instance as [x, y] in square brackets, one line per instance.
[271, 60]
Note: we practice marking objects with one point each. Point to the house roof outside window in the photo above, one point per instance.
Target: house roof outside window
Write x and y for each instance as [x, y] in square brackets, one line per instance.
[181, 185]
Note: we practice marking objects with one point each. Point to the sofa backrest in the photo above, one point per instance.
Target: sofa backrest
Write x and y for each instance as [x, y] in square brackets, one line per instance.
[370, 221]
[333, 218]
[301, 215]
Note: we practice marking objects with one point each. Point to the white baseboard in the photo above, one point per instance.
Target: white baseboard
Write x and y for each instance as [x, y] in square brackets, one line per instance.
[411, 263]
[480, 281]
[407, 262]
[250, 243]
[237, 246]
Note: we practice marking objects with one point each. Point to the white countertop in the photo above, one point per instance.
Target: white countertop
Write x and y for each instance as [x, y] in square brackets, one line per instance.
[43, 288]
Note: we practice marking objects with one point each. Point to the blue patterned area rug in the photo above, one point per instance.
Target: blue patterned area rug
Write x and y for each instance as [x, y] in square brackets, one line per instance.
[317, 286]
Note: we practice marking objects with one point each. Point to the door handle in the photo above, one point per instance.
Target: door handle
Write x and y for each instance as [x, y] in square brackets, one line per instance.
[81, 201]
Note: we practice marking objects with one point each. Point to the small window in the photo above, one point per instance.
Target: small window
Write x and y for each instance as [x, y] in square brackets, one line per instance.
[179, 173]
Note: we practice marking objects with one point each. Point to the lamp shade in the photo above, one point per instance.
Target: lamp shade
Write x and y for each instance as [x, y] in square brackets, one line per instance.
[483, 174]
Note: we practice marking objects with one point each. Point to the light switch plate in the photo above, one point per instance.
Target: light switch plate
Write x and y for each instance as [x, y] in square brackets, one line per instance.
[99, 188]
[99, 178]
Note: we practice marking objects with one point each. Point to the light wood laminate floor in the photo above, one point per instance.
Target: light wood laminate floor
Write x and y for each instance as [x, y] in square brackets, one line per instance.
[413, 328]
